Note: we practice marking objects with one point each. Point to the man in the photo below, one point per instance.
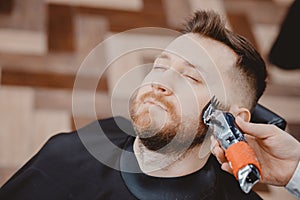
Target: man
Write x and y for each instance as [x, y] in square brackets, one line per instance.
[166, 113]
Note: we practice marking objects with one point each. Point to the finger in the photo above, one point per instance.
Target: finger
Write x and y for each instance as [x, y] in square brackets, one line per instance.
[220, 154]
[226, 167]
[217, 151]
[214, 142]
[257, 130]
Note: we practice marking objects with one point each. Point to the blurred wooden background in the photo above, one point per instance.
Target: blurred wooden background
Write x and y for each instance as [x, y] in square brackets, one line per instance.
[43, 43]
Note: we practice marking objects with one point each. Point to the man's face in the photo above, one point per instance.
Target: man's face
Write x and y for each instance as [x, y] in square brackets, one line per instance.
[167, 109]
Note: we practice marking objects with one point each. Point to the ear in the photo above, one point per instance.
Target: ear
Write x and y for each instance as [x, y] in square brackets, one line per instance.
[242, 112]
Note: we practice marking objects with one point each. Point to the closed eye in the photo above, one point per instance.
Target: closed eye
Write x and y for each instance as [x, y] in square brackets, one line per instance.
[193, 78]
[160, 67]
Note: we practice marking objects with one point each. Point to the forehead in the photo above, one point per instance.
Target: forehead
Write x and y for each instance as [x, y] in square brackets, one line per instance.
[202, 52]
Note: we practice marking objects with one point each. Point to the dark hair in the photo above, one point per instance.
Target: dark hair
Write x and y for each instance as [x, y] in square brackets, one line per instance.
[249, 61]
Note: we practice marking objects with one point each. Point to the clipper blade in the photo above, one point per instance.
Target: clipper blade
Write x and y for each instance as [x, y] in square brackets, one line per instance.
[208, 112]
[215, 103]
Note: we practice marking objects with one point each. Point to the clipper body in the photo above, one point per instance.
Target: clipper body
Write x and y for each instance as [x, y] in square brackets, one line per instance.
[240, 155]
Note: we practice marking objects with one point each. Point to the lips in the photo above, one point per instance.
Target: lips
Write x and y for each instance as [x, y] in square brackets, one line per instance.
[153, 102]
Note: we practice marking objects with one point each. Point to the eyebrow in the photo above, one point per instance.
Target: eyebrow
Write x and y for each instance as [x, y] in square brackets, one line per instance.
[166, 56]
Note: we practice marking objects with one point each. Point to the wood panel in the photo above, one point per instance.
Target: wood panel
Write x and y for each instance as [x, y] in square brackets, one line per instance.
[123, 20]
[51, 62]
[15, 121]
[61, 100]
[23, 129]
[49, 80]
[60, 28]
[177, 12]
[90, 31]
[265, 12]
[25, 15]
[46, 124]
[240, 24]
[22, 42]
[80, 121]
[276, 89]
[6, 6]
[61, 32]
[154, 6]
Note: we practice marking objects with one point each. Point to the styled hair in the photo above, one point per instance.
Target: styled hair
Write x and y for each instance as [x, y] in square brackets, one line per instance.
[249, 62]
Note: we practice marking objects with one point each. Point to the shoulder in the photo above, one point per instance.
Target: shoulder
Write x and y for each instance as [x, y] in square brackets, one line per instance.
[96, 134]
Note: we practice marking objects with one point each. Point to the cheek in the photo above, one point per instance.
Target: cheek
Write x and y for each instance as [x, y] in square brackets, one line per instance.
[203, 99]
[192, 100]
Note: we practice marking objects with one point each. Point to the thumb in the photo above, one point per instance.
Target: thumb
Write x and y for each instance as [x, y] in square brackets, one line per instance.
[257, 130]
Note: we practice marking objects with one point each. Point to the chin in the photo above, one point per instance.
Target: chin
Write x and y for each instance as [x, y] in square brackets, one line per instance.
[149, 125]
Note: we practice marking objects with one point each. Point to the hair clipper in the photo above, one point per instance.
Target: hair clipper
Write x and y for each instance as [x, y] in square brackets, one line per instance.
[238, 152]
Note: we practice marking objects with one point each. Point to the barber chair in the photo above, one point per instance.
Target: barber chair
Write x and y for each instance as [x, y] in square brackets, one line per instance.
[263, 115]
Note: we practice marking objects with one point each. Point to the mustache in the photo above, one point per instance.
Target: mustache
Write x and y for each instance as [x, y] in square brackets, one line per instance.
[157, 97]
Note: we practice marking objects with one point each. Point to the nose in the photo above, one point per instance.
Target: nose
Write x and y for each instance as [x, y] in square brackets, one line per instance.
[161, 89]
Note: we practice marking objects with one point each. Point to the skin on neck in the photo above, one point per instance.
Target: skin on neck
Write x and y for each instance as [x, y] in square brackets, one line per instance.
[168, 165]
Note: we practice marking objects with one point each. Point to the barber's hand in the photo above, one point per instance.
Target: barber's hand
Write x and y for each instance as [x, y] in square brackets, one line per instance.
[277, 151]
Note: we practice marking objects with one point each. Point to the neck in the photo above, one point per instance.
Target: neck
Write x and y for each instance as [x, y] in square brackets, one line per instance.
[171, 164]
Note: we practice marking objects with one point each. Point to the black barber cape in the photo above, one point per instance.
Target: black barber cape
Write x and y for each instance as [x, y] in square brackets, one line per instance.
[64, 169]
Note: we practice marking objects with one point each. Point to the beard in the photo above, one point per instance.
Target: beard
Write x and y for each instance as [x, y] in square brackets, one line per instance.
[179, 133]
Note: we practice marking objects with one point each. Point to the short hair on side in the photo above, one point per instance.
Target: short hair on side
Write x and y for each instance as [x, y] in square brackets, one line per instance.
[249, 62]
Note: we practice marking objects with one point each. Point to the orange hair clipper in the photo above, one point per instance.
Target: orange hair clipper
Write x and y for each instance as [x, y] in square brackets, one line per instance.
[240, 155]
